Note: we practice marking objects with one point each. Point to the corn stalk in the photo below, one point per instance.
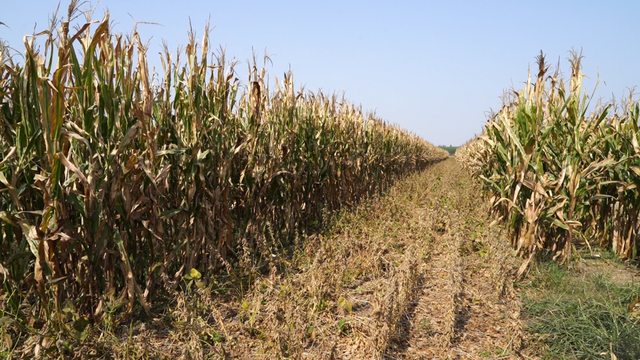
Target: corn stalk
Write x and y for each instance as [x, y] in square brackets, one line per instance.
[115, 184]
[556, 174]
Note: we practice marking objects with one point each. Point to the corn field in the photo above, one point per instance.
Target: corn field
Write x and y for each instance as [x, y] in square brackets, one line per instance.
[115, 183]
[557, 174]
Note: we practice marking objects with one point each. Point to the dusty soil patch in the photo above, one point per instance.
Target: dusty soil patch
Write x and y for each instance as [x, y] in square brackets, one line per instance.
[466, 306]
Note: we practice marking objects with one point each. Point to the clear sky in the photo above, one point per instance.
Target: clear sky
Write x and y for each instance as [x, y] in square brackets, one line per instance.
[433, 67]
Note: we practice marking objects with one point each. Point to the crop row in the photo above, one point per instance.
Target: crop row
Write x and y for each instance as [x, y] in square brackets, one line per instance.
[558, 174]
[116, 184]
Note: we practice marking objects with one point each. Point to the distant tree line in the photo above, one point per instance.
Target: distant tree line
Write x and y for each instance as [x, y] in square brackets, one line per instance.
[451, 149]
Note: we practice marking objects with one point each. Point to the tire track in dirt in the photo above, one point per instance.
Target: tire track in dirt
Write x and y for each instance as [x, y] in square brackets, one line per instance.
[427, 328]
[465, 306]
[351, 286]
[491, 309]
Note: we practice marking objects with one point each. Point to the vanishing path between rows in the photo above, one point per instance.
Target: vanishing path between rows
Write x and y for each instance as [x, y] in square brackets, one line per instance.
[416, 274]
[465, 306]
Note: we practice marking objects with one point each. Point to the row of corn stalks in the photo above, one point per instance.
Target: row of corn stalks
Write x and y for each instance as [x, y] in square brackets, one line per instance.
[115, 183]
[557, 174]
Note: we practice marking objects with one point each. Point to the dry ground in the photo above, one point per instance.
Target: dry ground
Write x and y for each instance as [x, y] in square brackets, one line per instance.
[417, 274]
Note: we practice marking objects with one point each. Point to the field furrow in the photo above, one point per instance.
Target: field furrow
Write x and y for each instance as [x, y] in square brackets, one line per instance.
[427, 327]
[405, 276]
[465, 306]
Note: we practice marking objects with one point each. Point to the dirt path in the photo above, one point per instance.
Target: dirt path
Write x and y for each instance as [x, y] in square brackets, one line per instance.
[416, 274]
[465, 306]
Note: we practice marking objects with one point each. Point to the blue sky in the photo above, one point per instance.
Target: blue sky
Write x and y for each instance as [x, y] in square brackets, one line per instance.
[433, 67]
